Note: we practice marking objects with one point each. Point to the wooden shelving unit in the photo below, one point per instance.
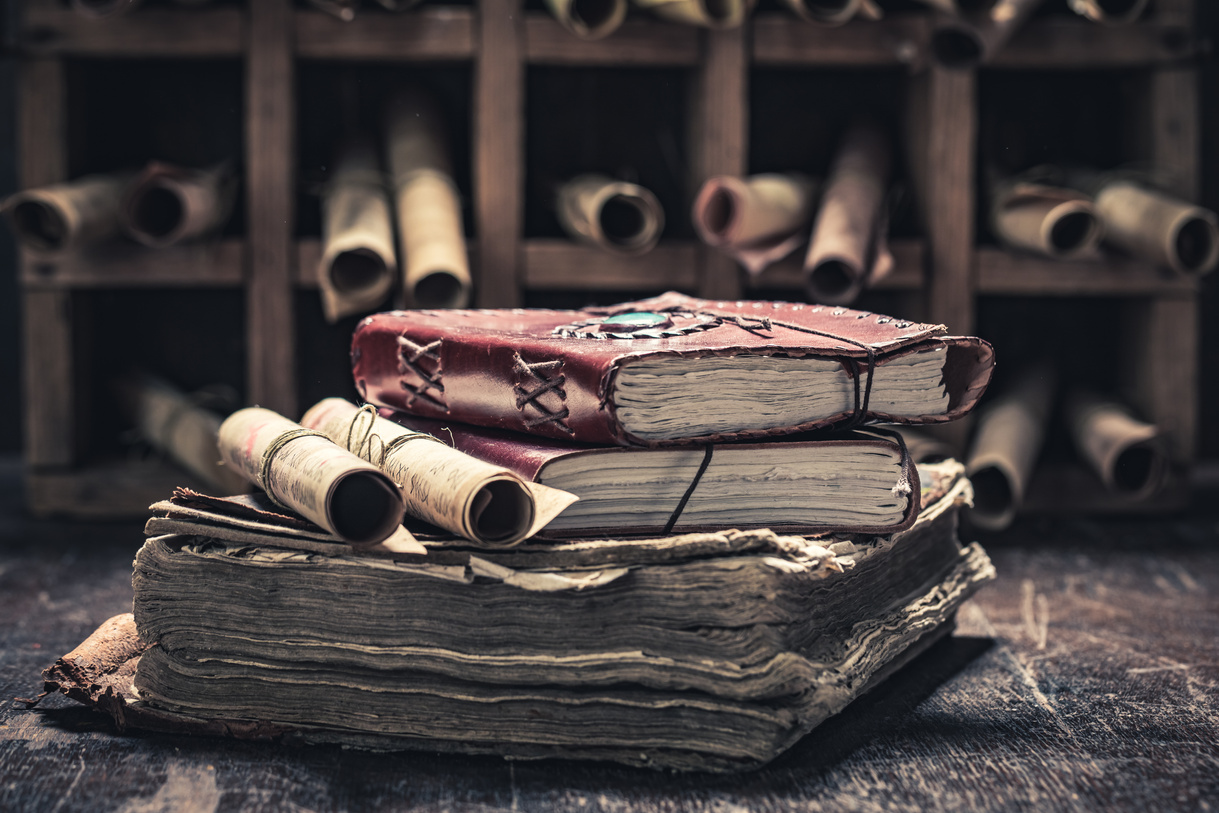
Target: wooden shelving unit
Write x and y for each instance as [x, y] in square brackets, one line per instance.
[942, 271]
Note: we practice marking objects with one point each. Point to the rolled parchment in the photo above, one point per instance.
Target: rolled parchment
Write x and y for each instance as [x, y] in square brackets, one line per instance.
[344, 10]
[833, 12]
[971, 40]
[104, 8]
[358, 266]
[63, 216]
[849, 247]
[1114, 12]
[613, 215]
[431, 242]
[1127, 454]
[481, 502]
[924, 448]
[707, 13]
[305, 471]
[177, 424]
[397, 5]
[589, 19]
[1007, 441]
[166, 204]
[757, 220]
[1158, 227]
[1049, 220]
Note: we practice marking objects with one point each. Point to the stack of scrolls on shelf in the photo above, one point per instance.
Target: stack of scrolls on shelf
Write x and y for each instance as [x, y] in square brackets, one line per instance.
[595, 581]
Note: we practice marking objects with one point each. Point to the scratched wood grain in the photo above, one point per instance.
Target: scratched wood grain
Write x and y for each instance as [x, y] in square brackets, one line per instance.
[1084, 679]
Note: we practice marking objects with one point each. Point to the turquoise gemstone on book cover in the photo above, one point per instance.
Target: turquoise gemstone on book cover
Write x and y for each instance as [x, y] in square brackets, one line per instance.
[638, 320]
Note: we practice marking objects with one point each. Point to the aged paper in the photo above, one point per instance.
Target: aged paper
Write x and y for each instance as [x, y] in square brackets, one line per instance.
[63, 216]
[166, 204]
[1127, 454]
[726, 14]
[849, 247]
[1158, 227]
[436, 267]
[484, 503]
[614, 215]
[757, 220]
[1045, 219]
[589, 19]
[175, 423]
[302, 470]
[358, 265]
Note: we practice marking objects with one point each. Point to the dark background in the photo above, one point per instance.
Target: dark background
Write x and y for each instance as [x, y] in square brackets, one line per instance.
[10, 316]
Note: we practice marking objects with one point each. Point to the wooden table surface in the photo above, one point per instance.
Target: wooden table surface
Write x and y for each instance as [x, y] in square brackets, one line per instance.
[1085, 678]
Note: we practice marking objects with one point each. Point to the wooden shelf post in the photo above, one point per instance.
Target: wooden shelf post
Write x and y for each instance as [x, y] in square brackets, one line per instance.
[270, 174]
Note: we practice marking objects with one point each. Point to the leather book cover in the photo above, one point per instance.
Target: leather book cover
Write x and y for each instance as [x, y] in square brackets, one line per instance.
[528, 456]
[554, 372]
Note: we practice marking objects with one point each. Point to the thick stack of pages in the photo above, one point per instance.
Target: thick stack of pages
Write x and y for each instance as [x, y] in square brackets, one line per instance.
[711, 651]
[747, 553]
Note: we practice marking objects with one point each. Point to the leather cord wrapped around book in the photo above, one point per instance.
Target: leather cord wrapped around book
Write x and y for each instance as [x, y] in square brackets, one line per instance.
[65, 216]
[303, 470]
[1127, 454]
[669, 369]
[486, 504]
[616, 216]
[431, 242]
[358, 265]
[757, 220]
[166, 204]
[589, 19]
[849, 248]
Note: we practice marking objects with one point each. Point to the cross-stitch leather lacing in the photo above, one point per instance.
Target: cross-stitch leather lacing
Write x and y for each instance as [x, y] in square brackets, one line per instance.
[547, 372]
[409, 360]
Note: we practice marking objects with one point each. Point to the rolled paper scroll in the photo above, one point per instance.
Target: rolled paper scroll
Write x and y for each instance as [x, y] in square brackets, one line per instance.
[849, 246]
[1127, 454]
[64, 216]
[589, 19]
[833, 12]
[431, 242]
[757, 220]
[178, 425]
[487, 504]
[358, 267]
[397, 5]
[1159, 228]
[104, 8]
[344, 10]
[971, 40]
[924, 448]
[305, 471]
[1115, 12]
[614, 215]
[166, 204]
[1007, 441]
[706, 13]
[1049, 220]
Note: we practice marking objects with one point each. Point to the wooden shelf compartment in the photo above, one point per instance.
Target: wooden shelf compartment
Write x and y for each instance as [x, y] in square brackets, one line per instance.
[548, 263]
[1052, 44]
[55, 30]
[637, 43]
[216, 264]
[442, 33]
[1004, 272]
[105, 490]
[1071, 488]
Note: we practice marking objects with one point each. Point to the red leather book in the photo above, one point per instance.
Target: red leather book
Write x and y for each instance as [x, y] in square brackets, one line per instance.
[667, 370]
[853, 482]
